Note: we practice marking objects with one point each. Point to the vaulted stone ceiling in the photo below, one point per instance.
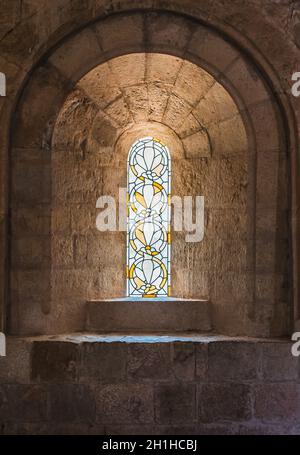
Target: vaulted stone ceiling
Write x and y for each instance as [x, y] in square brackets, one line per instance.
[138, 88]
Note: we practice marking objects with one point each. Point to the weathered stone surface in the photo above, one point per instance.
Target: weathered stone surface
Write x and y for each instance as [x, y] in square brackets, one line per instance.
[103, 362]
[217, 105]
[232, 361]
[192, 83]
[31, 252]
[78, 55]
[55, 362]
[15, 367]
[40, 104]
[9, 17]
[277, 402]
[125, 33]
[197, 145]
[71, 403]
[31, 222]
[27, 403]
[183, 356]
[163, 34]
[125, 403]
[201, 361]
[100, 85]
[210, 47]
[33, 285]
[247, 81]
[73, 123]
[149, 362]
[39, 190]
[175, 403]
[219, 402]
[152, 316]
[267, 129]
[278, 363]
[228, 137]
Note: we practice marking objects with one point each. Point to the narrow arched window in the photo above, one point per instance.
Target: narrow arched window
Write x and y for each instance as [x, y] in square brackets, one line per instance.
[148, 226]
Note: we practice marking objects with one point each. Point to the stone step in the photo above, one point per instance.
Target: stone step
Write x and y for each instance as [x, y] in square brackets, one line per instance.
[148, 315]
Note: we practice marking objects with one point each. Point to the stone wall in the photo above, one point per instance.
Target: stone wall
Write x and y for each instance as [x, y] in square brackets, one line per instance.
[118, 102]
[85, 385]
[245, 264]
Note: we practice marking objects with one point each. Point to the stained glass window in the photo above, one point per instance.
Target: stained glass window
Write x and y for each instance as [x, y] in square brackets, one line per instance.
[148, 229]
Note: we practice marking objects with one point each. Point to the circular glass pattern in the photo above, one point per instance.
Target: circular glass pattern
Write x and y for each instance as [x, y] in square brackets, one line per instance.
[148, 276]
[149, 159]
[149, 198]
[148, 239]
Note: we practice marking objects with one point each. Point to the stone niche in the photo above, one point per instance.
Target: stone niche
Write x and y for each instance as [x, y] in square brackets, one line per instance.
[223, 132]
[111, 107]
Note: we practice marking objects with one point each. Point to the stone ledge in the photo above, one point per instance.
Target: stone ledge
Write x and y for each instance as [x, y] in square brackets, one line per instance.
[148, 337]
[152, 315]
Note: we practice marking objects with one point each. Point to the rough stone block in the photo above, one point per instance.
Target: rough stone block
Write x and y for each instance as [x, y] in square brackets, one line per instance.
[73, 124]
[39, 190]
[232, 361]
[216, 106]
[31, 252]
[268, 171]
[278, 363]
[176, 110]
[277, 402]
[192, 83]
[62, 252]
[39, 106]
[232, 177]
[106, 249]
[103, 362]
[9, 17]
[149, 362]
[201, 361]
[212, 49]
[247, 81]
[219, 402]
[232, 287]
[31, 222]
[197, 145]
[266, 251]
[27, 403]
[266, 126]
[119, 112]
[228, 137]
[183, 357]
[121, 33]
[33, 285]
[100, 86]
[15, 367]
[151, 315]
[137, 99]
[54, 361]
[162, 69]
[60, 220]
[232, 256]
[125, 403]
[164, 34]
[175, 403]
[227, 224]
[77, 56]
[71, 403]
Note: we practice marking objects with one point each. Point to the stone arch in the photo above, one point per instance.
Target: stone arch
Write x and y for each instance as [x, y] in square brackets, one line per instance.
[52, 80]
